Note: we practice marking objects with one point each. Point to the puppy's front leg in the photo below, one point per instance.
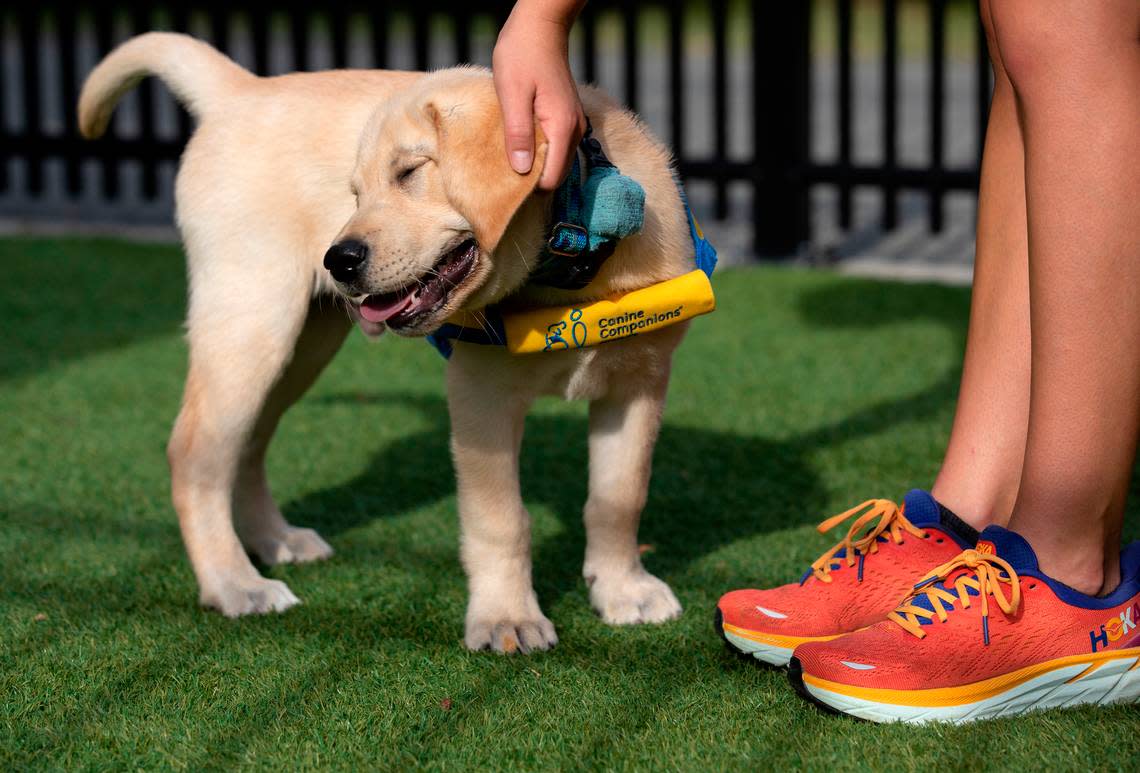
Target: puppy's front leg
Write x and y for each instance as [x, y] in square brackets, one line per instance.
[623, 431]
[487, 419]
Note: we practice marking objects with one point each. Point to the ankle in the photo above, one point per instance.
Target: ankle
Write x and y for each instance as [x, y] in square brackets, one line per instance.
[1087, 578]
[1111, 576]
[1090, 569]
[977, 509]
[1075, 532]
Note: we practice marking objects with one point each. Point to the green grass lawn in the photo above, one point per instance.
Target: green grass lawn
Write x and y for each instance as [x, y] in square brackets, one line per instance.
[804, 393]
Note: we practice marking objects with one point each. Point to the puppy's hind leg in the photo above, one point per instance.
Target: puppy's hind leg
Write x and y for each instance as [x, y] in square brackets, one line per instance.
[260, 525]
[243, 324]
[623, 431]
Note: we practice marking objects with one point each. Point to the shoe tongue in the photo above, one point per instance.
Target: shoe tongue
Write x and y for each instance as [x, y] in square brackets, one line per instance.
[921, 508]
[1010, 546]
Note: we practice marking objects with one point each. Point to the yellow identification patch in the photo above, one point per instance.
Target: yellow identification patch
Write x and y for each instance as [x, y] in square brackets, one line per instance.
[640, 311]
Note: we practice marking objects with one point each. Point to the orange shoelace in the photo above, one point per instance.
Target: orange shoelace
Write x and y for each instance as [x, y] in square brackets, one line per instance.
[856, 544]
[987, 575]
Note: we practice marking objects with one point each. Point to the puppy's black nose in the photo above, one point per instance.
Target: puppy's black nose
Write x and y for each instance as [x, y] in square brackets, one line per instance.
[344, 259]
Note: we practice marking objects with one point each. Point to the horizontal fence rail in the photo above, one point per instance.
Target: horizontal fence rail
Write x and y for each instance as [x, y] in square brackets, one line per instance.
[728, 83]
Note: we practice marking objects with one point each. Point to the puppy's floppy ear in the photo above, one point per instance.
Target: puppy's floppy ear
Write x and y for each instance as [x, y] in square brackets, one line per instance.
[477, 178]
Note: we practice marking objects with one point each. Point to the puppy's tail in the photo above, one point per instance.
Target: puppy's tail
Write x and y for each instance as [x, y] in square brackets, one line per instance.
[197, 73]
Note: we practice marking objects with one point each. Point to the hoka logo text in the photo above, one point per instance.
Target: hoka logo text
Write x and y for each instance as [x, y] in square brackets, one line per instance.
[1115, 627]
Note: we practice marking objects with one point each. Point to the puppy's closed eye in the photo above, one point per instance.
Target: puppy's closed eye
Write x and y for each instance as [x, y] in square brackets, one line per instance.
[405, 174]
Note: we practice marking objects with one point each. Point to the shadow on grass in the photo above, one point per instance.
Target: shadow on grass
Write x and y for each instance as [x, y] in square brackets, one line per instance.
[865, 304]
[62, 299]
[709, 488]
[706, 492]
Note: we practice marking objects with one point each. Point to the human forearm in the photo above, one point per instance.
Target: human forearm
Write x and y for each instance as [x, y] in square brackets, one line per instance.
[534, 83]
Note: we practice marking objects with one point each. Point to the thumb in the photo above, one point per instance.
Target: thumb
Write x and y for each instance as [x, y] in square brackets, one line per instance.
[518, 126]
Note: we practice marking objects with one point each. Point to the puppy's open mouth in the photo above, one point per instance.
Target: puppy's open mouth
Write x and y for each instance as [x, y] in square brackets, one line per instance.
[403, 308]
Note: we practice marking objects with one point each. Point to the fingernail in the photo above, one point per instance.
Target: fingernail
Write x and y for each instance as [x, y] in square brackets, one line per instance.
[520, 161]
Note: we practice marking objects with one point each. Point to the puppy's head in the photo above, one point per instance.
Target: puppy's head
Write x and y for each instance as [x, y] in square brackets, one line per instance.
[435, 199]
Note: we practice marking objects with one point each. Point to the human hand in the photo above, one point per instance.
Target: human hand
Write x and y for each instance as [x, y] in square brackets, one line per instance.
[534, 84]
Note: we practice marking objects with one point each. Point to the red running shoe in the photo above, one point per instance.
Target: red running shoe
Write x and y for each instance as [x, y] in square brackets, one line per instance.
[986, 634]
[851, 586]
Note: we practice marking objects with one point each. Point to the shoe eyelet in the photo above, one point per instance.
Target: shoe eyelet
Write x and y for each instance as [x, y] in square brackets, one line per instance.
[1032, 586]
[940, 541]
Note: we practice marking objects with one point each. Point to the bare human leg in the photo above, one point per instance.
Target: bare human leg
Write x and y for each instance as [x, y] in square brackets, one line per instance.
[982, 467]
[1075, 71]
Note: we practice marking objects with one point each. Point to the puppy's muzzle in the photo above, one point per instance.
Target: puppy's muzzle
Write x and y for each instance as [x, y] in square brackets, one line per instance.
[346, 259]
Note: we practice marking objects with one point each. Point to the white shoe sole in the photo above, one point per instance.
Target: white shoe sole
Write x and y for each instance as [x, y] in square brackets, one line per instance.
[768, 653]
[1113, 678]
[773, 649]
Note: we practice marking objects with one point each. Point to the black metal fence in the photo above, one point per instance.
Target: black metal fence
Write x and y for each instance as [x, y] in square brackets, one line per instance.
[729, 84]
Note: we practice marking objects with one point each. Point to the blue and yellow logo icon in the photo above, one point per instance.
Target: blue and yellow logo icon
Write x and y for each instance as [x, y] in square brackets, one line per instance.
[578, 333]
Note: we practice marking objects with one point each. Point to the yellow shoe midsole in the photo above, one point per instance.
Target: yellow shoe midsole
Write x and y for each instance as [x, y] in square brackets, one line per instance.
[774, 640]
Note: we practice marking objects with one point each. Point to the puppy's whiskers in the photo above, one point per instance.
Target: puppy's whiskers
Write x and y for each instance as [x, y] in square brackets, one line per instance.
[522, 256]
[486, 325]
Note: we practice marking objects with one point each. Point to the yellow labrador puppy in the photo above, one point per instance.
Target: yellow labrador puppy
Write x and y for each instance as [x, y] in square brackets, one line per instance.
[406, 176]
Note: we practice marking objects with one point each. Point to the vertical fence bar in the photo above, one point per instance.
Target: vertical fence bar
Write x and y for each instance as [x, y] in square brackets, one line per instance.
[935, 190]
[140, 21]
[781, 35]
[890, 114]
[104, 20]
[379, 22]
[180, 22]
[28, 21]
[589, 23]
[677, 77]
[259, 20]
[629, 34]
[462, 21]
[69, 94]
[299, 36]
[498, 14]
[220, 28]
[421, 31]
[843, 20]
[720, 102]
[337, 18]
[982, 75]
[6, 151]
[180, 18]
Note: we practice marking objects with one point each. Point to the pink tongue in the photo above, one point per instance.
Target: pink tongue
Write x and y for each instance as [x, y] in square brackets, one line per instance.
[380, 312]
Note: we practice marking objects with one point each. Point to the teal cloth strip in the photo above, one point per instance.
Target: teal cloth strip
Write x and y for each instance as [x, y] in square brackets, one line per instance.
[594, 209]
[569, 236]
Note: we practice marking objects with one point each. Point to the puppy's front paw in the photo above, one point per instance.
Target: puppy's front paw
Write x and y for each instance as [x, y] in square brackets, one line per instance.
[633, 597]
[510, 636]
[294, 546]
[250, 596]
